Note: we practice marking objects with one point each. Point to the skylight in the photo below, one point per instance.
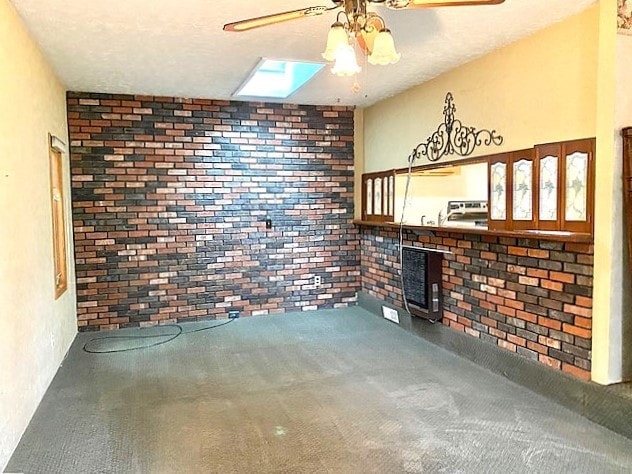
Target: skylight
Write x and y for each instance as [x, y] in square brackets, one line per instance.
[277, 79]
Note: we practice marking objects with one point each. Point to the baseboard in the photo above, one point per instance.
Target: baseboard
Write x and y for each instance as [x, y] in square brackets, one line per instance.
[609, 406]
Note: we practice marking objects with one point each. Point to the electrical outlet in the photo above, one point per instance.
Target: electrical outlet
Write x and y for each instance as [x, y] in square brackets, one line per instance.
[390, 314]
[233, 314]
[317, 281]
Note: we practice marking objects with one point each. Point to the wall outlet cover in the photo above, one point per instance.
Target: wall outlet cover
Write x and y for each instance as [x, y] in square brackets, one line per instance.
[390, 314]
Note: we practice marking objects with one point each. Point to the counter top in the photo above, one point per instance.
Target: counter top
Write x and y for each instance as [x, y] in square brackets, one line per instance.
[520, 234]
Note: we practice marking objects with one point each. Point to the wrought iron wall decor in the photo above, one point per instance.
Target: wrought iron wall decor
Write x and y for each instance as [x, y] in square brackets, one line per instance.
[452, 137]
[624, 16]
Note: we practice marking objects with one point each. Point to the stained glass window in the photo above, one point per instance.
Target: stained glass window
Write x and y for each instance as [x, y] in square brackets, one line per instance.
[523, 190]
[499, 191]
[576, 186]
[378, 196]
[548, 188]
[392, 196]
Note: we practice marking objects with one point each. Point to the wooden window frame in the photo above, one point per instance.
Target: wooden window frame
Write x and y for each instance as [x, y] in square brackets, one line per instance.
[58, 213]
[568, 148]
[515, 157]
[626, 133]
[500, 224]
[542, 151]
[387, 195]
[560, 150]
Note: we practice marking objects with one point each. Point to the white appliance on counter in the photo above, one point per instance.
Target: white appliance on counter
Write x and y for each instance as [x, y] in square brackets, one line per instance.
[464, 214]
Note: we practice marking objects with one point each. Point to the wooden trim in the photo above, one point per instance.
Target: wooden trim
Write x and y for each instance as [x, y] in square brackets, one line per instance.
[559, 236]
[390, 211]
[498, 224]
[559, 149]
[568, 148]
[386, 195]
[542, 151]
[627, 188]
[363, 199]
[57, 143]
[515, 157]
[60, 266]
[443, 164]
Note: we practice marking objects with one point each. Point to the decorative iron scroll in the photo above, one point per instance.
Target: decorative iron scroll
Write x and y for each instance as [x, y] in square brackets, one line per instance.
[624, 16]
[452, 137]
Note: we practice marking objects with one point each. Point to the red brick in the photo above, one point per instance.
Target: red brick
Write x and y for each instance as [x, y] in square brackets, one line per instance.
[532, 318]
[583, 322]
[547, 341]
[563, 277]
[528, 281]
[549, 323]
[583, 301]
[576, 371]
[577, 331]
[578, 310]
[519, 341]
[492, 323]
[507, 345]
[537, 253]
[556, 364]
[153, 248]
[552, 285]
[507, 311]
[521, 251]
[579, 248]
[534, 346]
[514, 304]
[537, 273]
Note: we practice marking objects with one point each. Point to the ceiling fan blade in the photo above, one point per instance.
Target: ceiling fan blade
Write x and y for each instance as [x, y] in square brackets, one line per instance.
[450, 3]
[245, 25]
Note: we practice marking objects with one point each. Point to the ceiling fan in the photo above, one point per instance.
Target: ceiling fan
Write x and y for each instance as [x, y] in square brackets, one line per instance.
[351, 8]
[354, 22]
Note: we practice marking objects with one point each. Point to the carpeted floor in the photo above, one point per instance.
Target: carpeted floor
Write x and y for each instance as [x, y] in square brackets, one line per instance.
[331, 391]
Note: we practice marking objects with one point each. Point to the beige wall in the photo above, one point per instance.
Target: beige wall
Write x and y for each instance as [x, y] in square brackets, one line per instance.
[607, 298]
[568, 81]
[623, 118]
[537, 90]
[35, 330]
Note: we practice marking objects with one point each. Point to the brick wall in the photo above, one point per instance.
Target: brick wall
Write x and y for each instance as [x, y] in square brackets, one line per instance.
[170, 198]
[527, 296]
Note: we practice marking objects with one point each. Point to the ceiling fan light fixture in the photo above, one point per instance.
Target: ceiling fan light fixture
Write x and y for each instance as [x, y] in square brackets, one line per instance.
[384, 49]
[336, 39]
[346, 63]
[355, 24]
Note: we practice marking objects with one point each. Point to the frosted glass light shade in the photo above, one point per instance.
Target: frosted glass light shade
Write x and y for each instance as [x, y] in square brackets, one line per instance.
[384, 49]
[336, 39]
[346, 63]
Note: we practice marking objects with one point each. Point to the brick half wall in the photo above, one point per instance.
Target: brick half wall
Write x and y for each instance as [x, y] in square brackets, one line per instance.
[170, 202]
[527, 296]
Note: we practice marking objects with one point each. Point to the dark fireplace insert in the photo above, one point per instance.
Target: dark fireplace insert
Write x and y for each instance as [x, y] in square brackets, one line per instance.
[421, 271]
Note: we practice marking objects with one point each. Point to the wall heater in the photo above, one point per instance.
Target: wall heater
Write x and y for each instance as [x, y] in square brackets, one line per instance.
[422, 272]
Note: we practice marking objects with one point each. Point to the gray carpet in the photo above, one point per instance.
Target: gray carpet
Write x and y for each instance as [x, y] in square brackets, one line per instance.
[331, 391]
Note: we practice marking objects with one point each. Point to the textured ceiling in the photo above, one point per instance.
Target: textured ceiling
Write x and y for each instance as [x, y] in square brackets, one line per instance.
[178, 47]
